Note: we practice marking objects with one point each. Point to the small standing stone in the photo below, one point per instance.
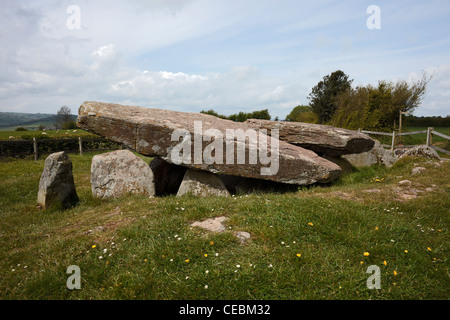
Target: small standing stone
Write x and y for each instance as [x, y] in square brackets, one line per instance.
[56, 187]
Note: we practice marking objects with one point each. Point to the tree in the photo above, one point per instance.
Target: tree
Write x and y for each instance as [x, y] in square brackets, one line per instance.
[62, 116]
[302, 114]
[378, 107]
[69, 125]
[241, 116]
[213, 113]
[323, 95]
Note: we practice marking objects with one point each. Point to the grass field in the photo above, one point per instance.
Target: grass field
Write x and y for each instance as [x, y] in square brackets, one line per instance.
[421, 138]
[51, 134]
[312, 244]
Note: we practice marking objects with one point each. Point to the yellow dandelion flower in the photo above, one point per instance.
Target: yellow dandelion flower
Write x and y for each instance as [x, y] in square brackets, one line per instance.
[310, 224]
[406, 251]
[211, 243]
[376, 228]
[361, 262]
[366, 254]
[205, 255]
[187, 260]
[395, 273]
[299, 255]
[93, 246]
[385, 263]
[145, 260]
[428, 248]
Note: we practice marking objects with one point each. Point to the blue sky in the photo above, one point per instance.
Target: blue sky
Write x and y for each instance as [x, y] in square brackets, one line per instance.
[230, 56]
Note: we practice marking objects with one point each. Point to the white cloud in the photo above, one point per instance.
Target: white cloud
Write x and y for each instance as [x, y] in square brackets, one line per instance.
[199, 54]
[437, 97]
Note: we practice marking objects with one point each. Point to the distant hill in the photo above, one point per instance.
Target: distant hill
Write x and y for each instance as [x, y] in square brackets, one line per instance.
[9, 121]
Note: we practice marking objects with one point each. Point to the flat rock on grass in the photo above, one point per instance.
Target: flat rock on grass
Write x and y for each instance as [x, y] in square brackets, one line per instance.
[212, 224]
[216, 225]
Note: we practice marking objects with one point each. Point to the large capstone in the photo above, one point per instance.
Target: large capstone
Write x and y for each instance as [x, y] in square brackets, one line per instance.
[204, 142]
[322, 139]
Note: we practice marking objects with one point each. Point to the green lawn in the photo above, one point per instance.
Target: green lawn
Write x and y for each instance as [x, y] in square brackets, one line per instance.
[309, 244]
[421, 138]
[51, 134]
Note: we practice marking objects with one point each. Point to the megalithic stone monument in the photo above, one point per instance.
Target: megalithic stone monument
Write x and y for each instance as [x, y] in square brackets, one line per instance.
[204, 142]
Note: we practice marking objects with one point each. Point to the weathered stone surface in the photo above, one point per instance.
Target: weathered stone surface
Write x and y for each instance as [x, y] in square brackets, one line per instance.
[202, 183]
[345, 165]
[323, 139]
[116, 173]
[378, 155]
[417, 170]
[405, 182]
[150, 132]
[168, 176]
[242, 185]
[243, 236]
[421, 151]
[212, 224]
[56, 187]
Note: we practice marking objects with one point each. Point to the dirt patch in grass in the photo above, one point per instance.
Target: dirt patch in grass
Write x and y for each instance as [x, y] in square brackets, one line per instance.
[90, 224]
[399, 192]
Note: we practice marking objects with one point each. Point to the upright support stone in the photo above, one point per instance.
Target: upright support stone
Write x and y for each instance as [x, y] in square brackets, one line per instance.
[56, 187]
[117, 173]
[202, 183]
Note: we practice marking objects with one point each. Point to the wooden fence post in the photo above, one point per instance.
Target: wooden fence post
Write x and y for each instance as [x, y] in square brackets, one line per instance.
[393, 141]
[80, 144]
[429, 136]
[35, 148]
